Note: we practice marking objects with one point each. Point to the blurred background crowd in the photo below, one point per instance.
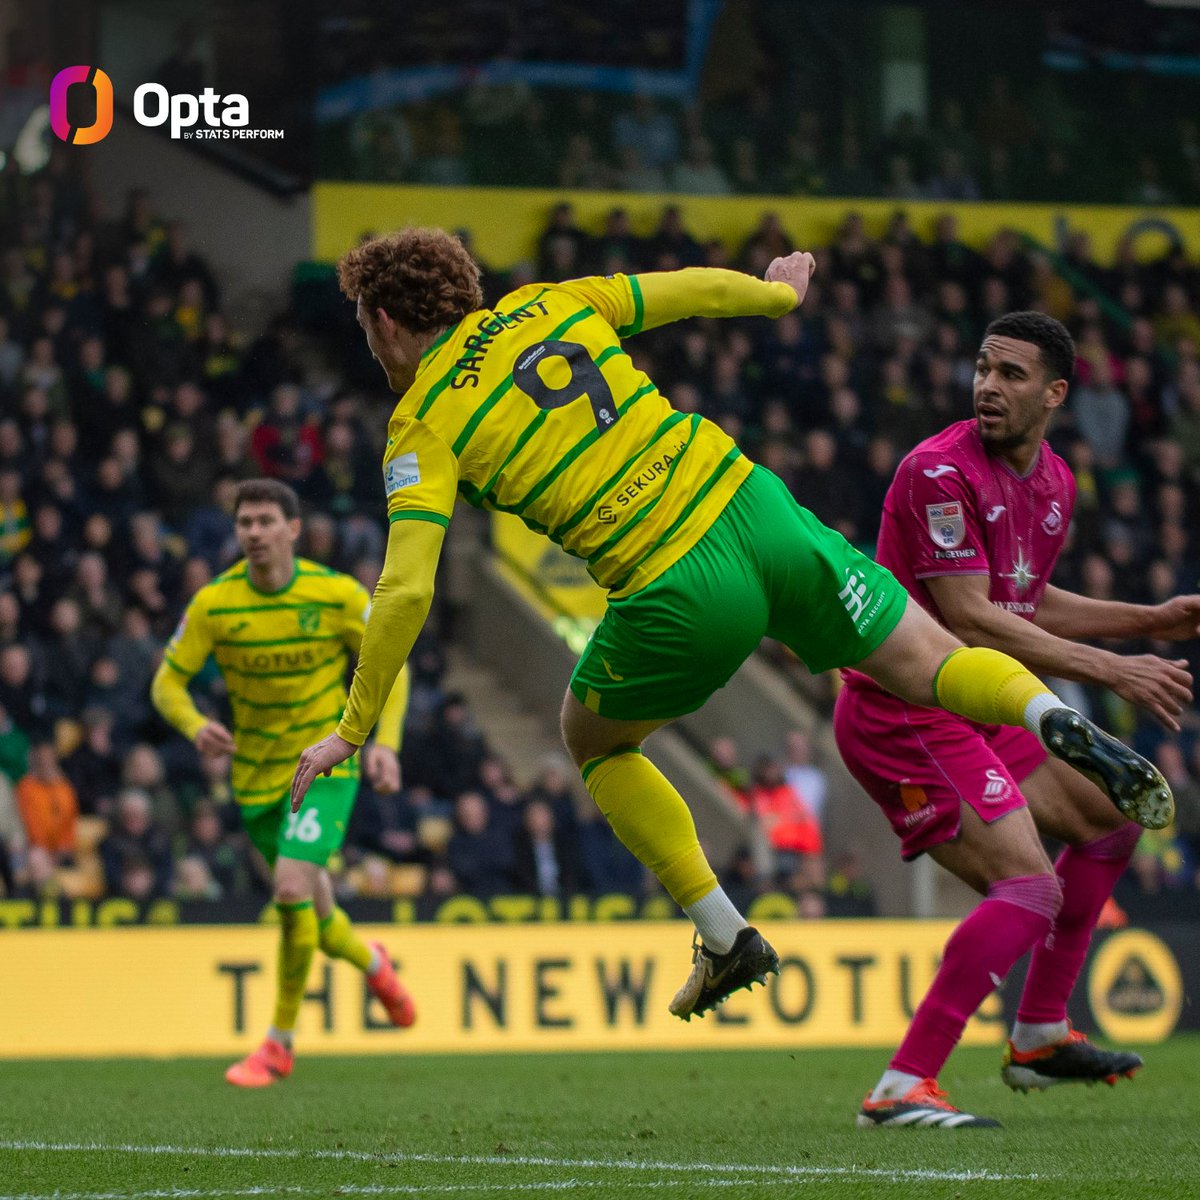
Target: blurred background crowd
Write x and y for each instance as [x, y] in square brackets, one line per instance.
[781, 107]
[131, 404]
[131, 410]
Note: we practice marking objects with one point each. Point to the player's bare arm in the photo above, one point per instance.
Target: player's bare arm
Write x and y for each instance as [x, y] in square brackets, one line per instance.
[1069, 615]
[1160, 686]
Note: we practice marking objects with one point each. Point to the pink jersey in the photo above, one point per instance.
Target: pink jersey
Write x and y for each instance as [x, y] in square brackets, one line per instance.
[954, 509]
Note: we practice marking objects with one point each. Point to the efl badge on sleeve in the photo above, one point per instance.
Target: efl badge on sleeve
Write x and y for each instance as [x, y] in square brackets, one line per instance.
[947, 525]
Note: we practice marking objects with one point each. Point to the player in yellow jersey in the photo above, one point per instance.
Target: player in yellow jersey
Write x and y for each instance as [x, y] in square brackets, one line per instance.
[281, 630]
[534, 408]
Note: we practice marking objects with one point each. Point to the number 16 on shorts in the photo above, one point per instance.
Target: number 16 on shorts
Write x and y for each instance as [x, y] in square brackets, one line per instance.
[303, 826]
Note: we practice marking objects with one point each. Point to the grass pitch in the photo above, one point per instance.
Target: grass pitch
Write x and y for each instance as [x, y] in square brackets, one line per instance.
[670, 1125]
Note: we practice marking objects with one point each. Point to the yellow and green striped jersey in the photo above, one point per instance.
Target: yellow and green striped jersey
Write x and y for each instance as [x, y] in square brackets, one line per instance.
[535, 409]
[283, 656]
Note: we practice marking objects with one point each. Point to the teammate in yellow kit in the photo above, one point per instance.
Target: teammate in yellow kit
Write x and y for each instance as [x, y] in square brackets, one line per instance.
[281, 630]
[534, 408]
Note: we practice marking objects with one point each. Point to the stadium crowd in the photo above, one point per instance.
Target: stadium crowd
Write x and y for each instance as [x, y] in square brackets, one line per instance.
[1003, 141]
[129, 409]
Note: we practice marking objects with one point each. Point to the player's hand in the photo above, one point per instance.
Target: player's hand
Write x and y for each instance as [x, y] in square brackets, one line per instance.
[1161, 686]
[214, 738]
[1178, 620]
[795, 270]
[383, 768]
[318, 760]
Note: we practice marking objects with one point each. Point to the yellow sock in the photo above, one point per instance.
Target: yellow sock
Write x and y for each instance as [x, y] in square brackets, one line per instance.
[297, 944]
[986, 686]
[652, 821]
[339, 940]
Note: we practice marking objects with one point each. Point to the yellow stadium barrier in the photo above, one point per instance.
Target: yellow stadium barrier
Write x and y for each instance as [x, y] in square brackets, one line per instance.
[506, 222]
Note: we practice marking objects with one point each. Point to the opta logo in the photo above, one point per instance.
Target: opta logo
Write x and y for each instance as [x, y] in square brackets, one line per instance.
[60, 121]
[204, 117]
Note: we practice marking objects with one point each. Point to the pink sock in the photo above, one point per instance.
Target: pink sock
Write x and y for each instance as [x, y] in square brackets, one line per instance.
[980, 952]
[1088, 874]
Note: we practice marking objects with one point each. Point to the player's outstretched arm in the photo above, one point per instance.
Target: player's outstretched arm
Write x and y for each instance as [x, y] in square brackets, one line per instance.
[398, 610]
[1069, 615]
[715, 292]
[1160, 686]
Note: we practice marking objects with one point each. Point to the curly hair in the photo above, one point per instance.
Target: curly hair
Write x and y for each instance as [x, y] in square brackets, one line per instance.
[424, 279]
[1055, 346]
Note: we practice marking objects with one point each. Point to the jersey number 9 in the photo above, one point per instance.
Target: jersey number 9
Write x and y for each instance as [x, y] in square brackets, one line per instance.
[585, 380]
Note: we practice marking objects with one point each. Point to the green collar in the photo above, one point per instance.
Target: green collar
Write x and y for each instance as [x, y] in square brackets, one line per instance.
[437, 344]
[278, 591]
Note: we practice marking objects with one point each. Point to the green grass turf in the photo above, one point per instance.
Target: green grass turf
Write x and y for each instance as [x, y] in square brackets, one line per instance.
[670, 1125]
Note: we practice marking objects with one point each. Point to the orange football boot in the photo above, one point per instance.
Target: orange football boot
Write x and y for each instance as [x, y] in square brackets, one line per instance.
[268, 1064]
[386, 987]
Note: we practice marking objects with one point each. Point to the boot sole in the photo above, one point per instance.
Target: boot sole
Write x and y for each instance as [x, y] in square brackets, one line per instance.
[1129, 781]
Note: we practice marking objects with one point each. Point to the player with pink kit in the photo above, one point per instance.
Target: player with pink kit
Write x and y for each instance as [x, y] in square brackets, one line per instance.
[972, 526]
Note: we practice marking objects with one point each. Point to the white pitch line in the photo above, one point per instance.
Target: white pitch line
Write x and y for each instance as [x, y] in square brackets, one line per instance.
[416, 1189]
[517, 1160]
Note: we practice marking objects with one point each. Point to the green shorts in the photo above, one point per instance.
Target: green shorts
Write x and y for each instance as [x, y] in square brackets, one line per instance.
[766, 568]
[315, 833]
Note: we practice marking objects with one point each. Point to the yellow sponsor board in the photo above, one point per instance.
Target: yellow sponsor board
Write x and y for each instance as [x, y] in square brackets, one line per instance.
[506, 223]
[209, 990]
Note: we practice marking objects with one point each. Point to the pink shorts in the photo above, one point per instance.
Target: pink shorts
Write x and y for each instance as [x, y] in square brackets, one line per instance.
[921, 764]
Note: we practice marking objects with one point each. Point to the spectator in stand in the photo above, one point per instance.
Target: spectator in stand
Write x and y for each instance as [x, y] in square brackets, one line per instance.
[725, 763]
[12, 838]
[68, 655]
[505, 801]
[792, 830]
[482, 862]
[448, 757]
[14, 748]
[136, 847]
[825, 486]
[387, 824]
[952, 180]
[698, 172]
[99, 604]
[21, 694]
[546, 859]
[285, 445]
[192, 880]
[346, 483]
[144, 773]
[1101, 415]
[14, 519]
[649, 131]
[553, 785]
[93, 767]
[48, 806]
[581, 166]
[671, 246]
[225, 856]
[848, 890]
[181, 475]
[208, 529]
[176, 264]
[808, 781]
